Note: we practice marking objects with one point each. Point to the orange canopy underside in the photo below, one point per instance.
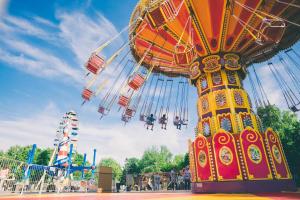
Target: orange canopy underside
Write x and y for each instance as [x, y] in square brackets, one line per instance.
[214, 31]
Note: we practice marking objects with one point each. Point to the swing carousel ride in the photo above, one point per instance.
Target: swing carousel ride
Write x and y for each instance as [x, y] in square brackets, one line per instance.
[214, 46]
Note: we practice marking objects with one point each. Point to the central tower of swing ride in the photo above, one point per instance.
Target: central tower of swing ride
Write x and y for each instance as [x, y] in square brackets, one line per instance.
[213, 45]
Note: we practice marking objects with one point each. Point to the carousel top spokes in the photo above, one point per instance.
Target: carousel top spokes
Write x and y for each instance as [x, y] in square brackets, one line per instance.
[210, 44]
[255, 30]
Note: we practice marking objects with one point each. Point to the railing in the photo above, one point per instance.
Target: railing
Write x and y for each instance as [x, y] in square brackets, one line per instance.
[19, 177]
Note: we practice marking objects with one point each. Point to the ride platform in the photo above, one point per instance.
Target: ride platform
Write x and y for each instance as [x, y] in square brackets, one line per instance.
[156, 196]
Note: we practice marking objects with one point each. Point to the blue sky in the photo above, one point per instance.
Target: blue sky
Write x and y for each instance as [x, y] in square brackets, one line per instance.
[44, 45]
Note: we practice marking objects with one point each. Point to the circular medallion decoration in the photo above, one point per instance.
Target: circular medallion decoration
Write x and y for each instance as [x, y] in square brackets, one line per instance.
[216, 78]
[211, 63]
[231, 77]
[225, 124]
[247, 121]
[232, 62]
[194, 70]
[206, 129]
[202, 158]
[276, 154]
[238, 98]
[204, 104]
[225, 155]
[220, 99]
[254, 154]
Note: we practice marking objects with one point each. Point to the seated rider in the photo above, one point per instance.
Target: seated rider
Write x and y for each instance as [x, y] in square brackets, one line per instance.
[125, 118]
[150, 121]
[163, 121]
[177, 122]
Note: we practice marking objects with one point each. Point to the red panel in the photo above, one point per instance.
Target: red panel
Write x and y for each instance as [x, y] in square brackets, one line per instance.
[192, 162]
[216, 10]
[277, 155]
[182, 19]
[202, 160]
[245, 16]
[140, 42]
[226, 156]
[255, 155]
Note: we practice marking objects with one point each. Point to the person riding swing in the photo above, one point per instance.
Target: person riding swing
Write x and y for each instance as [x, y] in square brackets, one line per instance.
[163, 121]
[150, 121]
[177, 122]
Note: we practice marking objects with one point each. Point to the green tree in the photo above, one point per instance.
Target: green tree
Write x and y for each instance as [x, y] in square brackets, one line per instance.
[186, 159]
[18, 152]
[116, 168]
[132, 166]
[287, 125]
[156, 159]
[43, 157]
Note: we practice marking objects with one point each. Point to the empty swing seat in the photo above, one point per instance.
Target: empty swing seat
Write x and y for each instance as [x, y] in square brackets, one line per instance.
[270, 31]
[294, 109]
[160, 15]
[142, 118]
[136, 82]
[86, 94]
[94, 64]
[102, 110]
[183, 55]
[123, 101]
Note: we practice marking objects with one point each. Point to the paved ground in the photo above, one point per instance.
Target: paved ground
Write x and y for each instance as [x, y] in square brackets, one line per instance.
[157, 196]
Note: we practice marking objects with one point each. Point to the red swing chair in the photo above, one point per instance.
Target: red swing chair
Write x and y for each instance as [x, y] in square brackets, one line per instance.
[136, 82]
[87, 94]
[184, 55]
[270, 31]
[102, 110]
[94, 64]
[123, 101]
[160, 15]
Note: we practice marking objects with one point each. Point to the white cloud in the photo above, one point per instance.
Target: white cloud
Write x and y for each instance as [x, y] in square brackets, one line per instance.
[28, 27]
[37, 61]
[3, 6]
[118, 142]
[51, 57]
[83, 33]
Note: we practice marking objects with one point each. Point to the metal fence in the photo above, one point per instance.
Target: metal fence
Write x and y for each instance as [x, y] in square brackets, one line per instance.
[20, 177]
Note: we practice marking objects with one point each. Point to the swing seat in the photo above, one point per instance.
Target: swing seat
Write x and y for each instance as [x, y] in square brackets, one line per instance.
[149, 123]
[184, 55]
[87, 94]
[160, 15]
[270, 31]
[123, 101]
[184, 122]
[125, 118]
[102, 110]
[294, 109]
[94, 64]
[142, 118]
[136, 82]
[176, 123]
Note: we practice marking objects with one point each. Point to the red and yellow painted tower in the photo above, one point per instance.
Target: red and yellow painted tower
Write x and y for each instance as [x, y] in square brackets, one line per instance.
[212, 42]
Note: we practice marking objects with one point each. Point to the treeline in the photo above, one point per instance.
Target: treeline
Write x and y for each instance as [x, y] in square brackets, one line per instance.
[160, 159]
[154, 159]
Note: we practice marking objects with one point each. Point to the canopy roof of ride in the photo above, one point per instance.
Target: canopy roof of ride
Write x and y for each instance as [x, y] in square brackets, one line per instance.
[216, 28]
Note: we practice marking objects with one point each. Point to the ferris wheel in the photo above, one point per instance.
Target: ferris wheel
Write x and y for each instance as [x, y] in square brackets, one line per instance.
[66, 135]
